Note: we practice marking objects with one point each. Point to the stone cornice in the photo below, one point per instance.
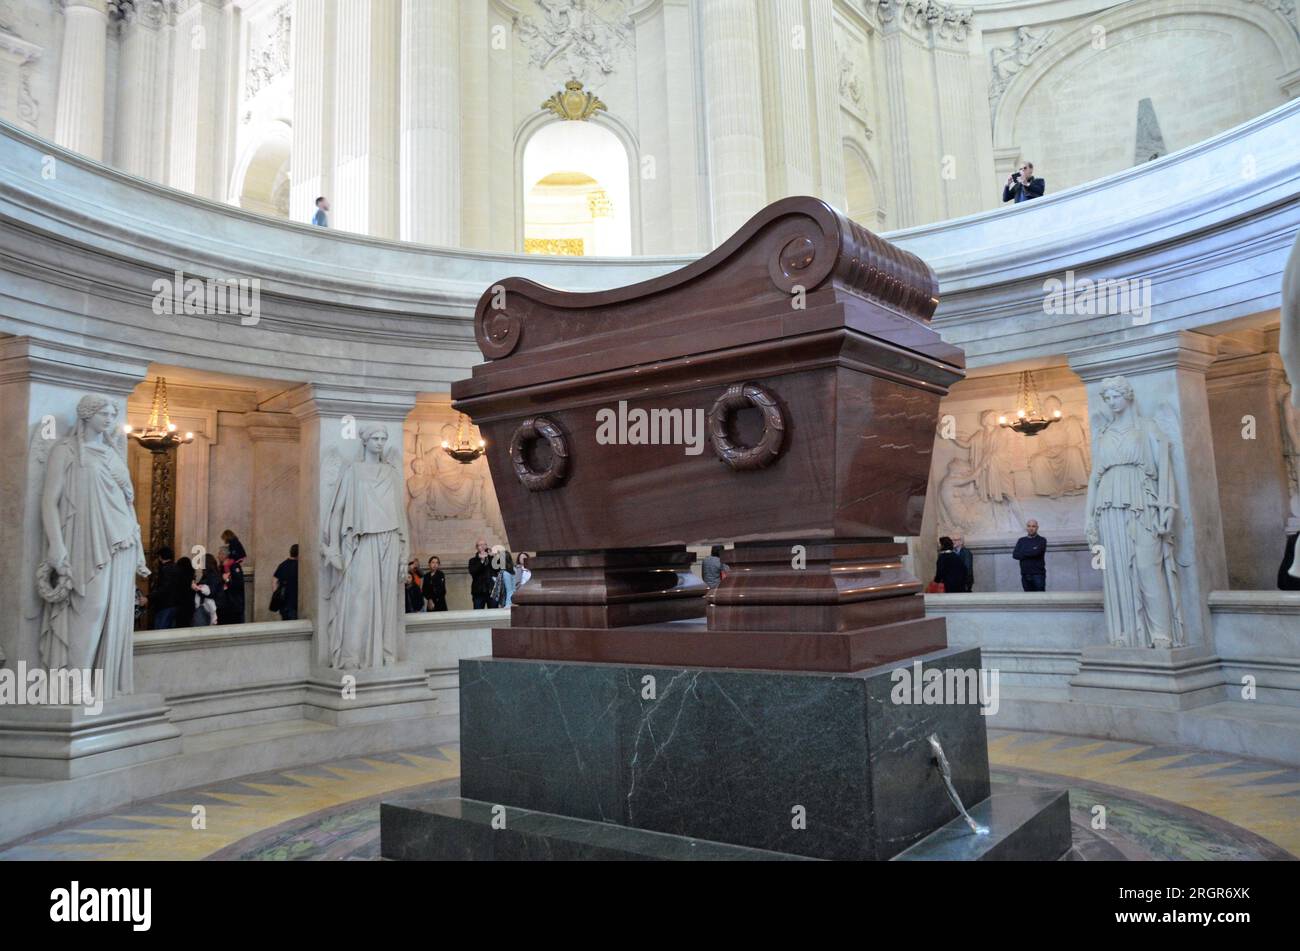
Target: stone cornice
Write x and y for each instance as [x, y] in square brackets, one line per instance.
[23, 51]
[1166, 351]
[1234, 371]
[1015, 601]
[310, 401]
[1255, 602]
[229, 635]
[24, 359]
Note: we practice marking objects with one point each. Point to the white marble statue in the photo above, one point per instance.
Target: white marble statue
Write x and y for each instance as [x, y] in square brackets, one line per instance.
[93, 551]
[1289, 348]
[1132, 513]
[365, 547]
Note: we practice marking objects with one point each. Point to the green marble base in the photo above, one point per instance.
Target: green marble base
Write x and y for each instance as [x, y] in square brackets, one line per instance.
[1023, 824]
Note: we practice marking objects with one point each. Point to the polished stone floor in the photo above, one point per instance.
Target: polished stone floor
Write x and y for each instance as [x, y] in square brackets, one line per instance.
[1155, 803]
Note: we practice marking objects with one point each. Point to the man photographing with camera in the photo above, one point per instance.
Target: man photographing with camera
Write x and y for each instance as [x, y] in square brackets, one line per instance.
[1022, 186]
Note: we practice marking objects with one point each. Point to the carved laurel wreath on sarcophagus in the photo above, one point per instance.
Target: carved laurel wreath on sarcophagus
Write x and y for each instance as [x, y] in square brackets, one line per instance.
[540, 341]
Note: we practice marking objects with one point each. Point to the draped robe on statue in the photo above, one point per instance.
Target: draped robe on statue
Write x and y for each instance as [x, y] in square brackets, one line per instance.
[92, 628]
[366, 529]
[1135, 508]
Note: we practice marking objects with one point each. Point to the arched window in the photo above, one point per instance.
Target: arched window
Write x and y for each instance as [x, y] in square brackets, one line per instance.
[864, 205]
[576, 191]
[261, 181]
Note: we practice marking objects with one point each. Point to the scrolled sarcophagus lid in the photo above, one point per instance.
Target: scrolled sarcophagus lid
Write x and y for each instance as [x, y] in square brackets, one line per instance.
[784, 385]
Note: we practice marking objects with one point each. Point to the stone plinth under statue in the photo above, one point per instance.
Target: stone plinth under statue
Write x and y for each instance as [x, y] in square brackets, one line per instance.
[780, 394]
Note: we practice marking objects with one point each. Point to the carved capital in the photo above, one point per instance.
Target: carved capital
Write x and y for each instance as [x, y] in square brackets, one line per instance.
[929, 19]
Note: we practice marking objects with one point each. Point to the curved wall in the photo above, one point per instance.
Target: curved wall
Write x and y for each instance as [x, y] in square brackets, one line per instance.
[82, 245]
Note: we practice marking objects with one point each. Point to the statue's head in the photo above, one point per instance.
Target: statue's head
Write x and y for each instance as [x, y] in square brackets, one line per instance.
[1051, 405]
[1116, 393]
[374, 440]
[989, 418]
[96, 413]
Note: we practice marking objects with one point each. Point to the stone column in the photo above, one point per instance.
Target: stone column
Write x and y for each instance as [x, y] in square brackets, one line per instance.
[826, 84]
[430, 122]
[366, 137]
[789, 101]
[1168, 375]
[475, 129]
[1246, 394]
[198, 78]
[690, 231]
[312, 161]
[40, 386]
[330, 420]
[898, 120]
[275, 491]
[79, 119]
[730, 56]
[141, 89]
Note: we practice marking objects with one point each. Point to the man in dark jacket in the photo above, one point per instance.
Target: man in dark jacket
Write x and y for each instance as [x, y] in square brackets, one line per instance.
[162, 597]
[435, 586]
[286, 579]
[949, 570]
[1031, 552]
[482, 575]
[967, 559]
[1022, 186]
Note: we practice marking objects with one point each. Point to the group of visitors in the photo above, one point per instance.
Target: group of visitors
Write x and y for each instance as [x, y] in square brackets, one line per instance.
[187, 594]
[954, 570]
[199, 593]
[493, 572]
[494, 575]
[426, 590]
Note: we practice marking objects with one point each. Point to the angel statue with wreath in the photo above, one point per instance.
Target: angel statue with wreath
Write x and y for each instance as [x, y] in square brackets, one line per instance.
[93, 552]
[1133, 514]
[364, 547]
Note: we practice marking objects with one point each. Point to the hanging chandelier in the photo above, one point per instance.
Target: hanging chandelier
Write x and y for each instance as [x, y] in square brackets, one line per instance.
[159, 434]
[463, 451]
[1029, 414]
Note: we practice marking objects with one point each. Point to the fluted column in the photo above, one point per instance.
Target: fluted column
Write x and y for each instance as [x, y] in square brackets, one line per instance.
[789, 114]
[475, 129]
[899, 124]
[140, 89]
[79, 119]
[733, 112]
[430, 122]
[366, 141]
[197, 99]
[312, 159]
[826, 85]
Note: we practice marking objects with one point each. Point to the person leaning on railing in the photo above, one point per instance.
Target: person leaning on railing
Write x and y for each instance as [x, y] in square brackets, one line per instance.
[1022, 186]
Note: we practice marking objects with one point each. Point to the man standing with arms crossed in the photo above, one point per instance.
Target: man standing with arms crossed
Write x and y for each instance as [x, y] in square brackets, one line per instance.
[1031, 552]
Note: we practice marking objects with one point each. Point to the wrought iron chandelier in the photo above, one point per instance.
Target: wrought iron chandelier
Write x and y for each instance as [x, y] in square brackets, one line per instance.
[159, 434]
[1029, 414]
[463, 451]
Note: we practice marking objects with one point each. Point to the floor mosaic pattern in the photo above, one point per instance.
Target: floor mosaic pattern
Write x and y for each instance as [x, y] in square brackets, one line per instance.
[1157, 803]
